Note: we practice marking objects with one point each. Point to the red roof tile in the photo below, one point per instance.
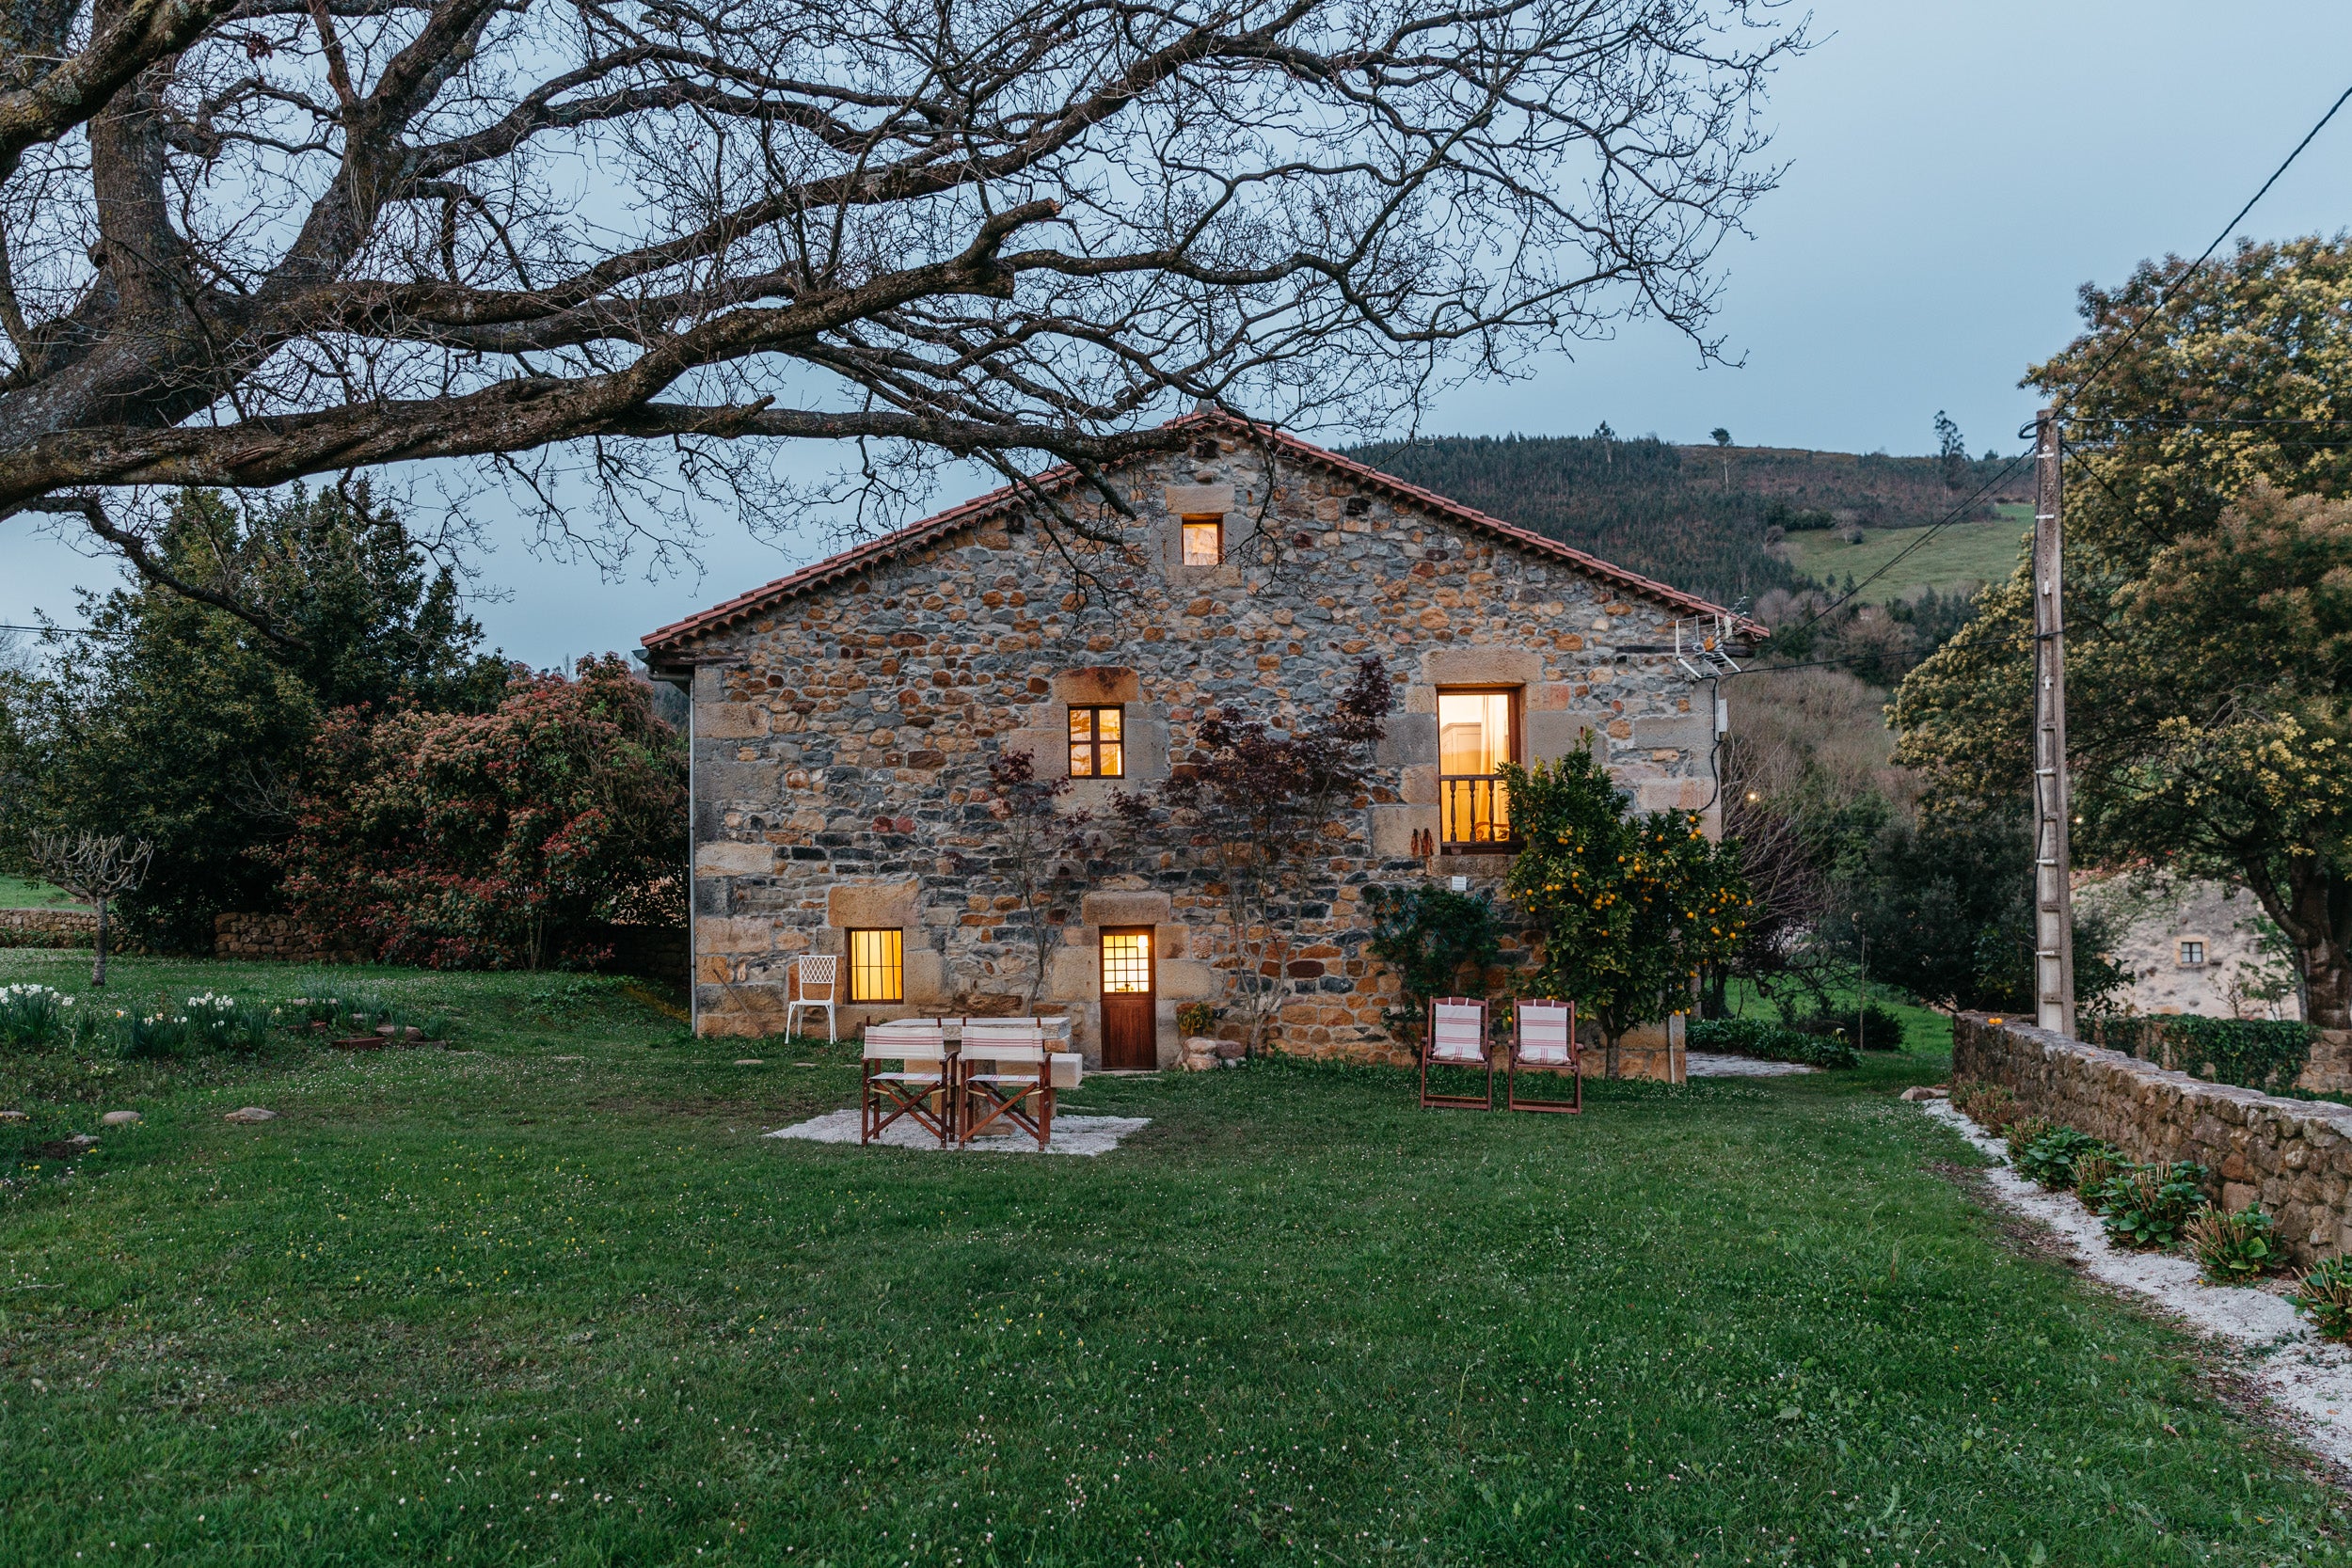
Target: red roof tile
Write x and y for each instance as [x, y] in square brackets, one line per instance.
[858, 558]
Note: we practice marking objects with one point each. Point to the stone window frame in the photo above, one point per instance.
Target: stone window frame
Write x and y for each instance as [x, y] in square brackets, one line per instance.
[1518, 722]
[895, 964]
[2181, 949]
[1211, 525]
[1095, 742]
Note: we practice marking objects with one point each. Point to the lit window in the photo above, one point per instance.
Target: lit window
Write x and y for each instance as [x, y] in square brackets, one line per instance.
[1098, 743]
[1126, 962]
[2192, 954]
[877, 965]
[1204, 541]
[1474, 740]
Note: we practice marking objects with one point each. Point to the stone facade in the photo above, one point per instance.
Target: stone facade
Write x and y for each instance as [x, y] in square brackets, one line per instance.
[844, 720]
[2191, 946]
[2292, 1156]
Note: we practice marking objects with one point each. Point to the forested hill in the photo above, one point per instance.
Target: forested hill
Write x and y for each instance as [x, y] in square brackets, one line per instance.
[1698, 517]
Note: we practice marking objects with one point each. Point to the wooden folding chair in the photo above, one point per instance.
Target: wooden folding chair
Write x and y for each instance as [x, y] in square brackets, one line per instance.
[1544, 1040]
[925, 1069]
[1019, 1087]
[1457, 1037]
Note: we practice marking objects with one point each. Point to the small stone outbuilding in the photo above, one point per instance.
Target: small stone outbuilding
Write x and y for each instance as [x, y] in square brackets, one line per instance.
[844, 719]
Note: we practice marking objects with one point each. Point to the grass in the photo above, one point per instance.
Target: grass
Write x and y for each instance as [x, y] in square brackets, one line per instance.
[17, 893]
[491, 1307]
[1962, 553]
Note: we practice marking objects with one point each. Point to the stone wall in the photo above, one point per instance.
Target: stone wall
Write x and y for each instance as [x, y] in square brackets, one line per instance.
[2292, 1156]
[843, 738]
[278, 939]
[48, 927]
[657, 952]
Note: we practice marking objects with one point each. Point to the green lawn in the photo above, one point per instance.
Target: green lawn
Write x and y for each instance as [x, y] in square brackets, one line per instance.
[1963, 553]
[17, 893]
[495, 1307]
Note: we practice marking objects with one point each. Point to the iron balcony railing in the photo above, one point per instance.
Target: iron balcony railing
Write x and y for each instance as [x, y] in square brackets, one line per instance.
[1472, 811]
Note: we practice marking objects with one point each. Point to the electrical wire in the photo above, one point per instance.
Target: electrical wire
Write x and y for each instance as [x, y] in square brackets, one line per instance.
[2190, 271]
[1929, 532]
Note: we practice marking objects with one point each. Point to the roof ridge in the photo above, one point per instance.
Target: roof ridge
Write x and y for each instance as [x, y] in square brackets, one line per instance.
[857, 557]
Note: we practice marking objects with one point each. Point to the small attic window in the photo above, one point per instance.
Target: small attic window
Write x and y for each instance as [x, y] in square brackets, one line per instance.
[1358, 506]
[1205, 448]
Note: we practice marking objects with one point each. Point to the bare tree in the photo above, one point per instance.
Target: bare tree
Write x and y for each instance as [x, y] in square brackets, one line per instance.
[1043, 855]
[602, 249]
[96, 869]
[1254, 806]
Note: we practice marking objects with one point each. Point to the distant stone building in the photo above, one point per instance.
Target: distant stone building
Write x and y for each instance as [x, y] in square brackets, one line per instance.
[843, 720]
[2191, 946]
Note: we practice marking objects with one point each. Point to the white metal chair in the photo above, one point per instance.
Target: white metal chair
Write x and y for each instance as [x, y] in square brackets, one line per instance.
[1020, 1089]
[813, 973]
[925, 1069]
[1546, 1042]
[1457, 1037]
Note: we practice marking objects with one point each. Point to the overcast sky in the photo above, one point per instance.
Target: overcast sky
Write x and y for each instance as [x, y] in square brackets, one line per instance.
[1956, 172]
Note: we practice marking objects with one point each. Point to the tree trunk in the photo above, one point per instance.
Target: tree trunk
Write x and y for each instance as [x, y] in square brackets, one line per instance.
[2314, 910]
[98, 963]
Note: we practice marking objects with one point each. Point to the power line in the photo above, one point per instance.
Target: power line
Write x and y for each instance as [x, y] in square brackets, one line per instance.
[1928, 533]
[2190, 271]
[62, 631]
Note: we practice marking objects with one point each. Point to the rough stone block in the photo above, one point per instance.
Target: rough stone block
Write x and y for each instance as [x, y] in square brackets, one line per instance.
[1410, 739]
[734, 934]
[735, 859]
[1104, 683]
[1186, 980]
[1418, 787]
[753, 782]
[1482, 666]
[1392, 830]
[1126, 908]
[1690, 732]
[1554, 733]
[1198, 500]
[730, 721]
[849, 905]
[923, 977]
[1671, 794]
[1072, 976]
[1551, 697]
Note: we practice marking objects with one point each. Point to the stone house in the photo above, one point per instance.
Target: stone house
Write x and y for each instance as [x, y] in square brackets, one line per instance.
[843, 720]
[2191, 946]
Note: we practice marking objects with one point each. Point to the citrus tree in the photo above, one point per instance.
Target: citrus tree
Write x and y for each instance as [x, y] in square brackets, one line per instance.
[1629, 906]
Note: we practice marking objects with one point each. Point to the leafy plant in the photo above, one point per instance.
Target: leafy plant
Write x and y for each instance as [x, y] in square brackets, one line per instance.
[1195, 1018]
[2253, 1053]
[2049, 1159]
[1631, 906]
[1429, 935]
[1990, 1106]
[33, 1018]
[2093, 1169]
[2026, 1130]
[1879, 1026]
[252, 1028]
[152, 1037]
[1767, 1043]
[2231, 1249]
[2325, 1297]
[2147, 1207]
[438, 1027]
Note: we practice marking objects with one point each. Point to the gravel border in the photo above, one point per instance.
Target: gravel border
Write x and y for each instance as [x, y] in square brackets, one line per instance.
[2307, 1379]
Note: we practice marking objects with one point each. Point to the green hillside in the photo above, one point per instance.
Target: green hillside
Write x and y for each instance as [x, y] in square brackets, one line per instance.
[1704, 517]
[1959, 555]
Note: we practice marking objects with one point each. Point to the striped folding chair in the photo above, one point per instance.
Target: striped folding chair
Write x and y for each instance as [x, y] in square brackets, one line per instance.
[925, 1069]
[1457, 1038]
[1544, 1040]
[1009, 1078]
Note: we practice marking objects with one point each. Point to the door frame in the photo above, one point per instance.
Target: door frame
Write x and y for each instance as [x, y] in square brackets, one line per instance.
[1149, 1000]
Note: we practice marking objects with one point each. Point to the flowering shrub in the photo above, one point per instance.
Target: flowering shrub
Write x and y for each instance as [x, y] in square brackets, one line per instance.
[500, 840]
[34, 1018]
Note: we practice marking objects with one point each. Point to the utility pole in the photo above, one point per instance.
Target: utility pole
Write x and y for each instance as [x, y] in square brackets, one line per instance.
[2053, 856]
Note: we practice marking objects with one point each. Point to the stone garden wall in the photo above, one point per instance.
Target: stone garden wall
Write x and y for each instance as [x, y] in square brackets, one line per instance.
[48, 927]
[2292, 1156]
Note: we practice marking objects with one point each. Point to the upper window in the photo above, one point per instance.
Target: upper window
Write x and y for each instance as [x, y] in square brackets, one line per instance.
[2192, 954]
[1476, 735]
[1098, 743]
[1204, 541]
[878, 965]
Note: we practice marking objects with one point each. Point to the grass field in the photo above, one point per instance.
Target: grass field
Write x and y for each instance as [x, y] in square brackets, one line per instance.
[1984, 551]
[551, 1298]
[17, 893]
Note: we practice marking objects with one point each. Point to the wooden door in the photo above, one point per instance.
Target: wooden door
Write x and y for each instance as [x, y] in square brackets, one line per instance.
[1131, 1034]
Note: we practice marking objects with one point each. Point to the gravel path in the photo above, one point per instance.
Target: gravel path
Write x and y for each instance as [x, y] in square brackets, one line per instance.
[1705, 1064]
[2309, 1379]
